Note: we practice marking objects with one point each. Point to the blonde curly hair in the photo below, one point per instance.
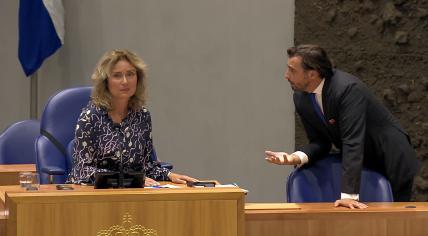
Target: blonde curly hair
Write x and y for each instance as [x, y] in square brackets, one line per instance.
[101, 96]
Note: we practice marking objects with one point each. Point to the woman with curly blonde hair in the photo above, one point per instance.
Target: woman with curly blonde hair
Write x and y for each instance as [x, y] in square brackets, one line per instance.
[115, 128]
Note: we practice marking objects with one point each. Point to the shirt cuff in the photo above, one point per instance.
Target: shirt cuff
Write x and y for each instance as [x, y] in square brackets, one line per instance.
[302, 156]
[354, 196]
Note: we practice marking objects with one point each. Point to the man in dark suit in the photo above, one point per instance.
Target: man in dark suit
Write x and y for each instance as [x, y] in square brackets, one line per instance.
[337, 109]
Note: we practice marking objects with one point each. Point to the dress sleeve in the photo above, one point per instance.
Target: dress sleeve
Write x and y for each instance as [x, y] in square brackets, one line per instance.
[84, 154]
[153, 168]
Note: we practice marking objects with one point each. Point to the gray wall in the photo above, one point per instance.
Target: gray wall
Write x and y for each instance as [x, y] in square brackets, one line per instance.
[216, 89]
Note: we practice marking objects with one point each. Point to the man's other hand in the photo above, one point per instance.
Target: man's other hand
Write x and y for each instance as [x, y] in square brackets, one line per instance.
[350, 203]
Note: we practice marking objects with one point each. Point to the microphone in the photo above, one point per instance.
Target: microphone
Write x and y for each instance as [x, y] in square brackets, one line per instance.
[116, 127]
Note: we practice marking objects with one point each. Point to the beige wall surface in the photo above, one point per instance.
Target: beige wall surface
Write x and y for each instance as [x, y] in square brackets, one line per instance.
[216, 89]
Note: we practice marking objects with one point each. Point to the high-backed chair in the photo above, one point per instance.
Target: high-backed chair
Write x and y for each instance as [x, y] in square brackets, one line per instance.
[58, 124]
[321, 182]
[17, 143]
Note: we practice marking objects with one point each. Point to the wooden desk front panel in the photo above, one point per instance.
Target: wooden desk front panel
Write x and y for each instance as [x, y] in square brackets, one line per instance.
[167, 212]
[323, 219]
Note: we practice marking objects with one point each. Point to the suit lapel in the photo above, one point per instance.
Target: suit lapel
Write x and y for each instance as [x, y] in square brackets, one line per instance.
[330, 109]
[325, 100]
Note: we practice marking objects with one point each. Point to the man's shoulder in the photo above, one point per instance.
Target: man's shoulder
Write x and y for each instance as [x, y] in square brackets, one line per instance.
[343, 76]
[342, 80]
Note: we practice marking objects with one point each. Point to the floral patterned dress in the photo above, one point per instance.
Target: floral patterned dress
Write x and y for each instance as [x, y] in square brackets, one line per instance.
[101, 145]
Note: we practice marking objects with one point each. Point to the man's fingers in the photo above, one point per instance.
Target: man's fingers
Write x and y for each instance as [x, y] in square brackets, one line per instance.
[352, 204]
[336, 203]
[273, 154]
[274, 160]
[271, 158]
[270, 153]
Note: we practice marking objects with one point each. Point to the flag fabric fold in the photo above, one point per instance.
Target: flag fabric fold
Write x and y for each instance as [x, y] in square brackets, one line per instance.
[41, 32]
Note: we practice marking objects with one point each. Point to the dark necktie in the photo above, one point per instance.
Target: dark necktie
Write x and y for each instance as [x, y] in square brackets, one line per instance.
[317, 107]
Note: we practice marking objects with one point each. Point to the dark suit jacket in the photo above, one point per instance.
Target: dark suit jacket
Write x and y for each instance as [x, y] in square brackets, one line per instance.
[362, 128]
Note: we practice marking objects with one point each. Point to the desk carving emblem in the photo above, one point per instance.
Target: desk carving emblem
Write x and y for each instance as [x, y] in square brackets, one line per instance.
[127, 229]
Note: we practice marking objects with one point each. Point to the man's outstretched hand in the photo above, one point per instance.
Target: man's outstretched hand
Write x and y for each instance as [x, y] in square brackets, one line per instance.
[282, 158]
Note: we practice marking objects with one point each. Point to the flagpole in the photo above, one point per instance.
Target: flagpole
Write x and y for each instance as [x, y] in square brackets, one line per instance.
[33, 96]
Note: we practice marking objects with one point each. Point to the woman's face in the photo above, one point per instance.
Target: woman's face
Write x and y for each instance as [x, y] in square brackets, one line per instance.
[122, 82]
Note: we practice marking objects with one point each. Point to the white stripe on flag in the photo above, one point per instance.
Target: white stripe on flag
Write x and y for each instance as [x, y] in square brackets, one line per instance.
[56, 11]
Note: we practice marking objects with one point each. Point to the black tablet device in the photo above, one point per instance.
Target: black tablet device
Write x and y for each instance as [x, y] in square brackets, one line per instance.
[64, 187]
[201, 183]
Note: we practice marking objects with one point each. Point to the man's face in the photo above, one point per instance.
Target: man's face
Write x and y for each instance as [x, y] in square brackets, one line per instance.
[296, 75]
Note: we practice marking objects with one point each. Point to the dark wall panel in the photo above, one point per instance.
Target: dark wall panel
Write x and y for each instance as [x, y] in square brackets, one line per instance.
[384, 43]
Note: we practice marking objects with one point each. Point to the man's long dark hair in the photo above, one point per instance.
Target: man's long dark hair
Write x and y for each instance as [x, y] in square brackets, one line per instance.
[313, 58]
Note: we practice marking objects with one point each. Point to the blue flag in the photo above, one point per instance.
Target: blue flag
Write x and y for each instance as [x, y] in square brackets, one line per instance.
[41, 32]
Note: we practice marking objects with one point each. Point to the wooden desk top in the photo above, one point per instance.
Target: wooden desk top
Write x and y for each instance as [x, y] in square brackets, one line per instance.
[18, 168]
[279, 208]
[306, 211]
[320, 219]
[9, 173]
[49, 190]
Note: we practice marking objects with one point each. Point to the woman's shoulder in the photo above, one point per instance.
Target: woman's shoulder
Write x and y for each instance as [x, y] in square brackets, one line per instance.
[143, 113]
[143, 110]
[91, 110]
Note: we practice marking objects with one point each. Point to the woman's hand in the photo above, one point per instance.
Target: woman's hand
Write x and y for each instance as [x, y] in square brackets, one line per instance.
[180, 179]
[150, 182]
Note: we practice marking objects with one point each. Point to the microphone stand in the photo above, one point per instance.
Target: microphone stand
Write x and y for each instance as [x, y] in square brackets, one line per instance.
[121, 174]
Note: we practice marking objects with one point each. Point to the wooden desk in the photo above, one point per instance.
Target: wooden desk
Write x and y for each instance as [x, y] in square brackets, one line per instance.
[9, 173]
[194, 211]
[88, 211]
[324, 219]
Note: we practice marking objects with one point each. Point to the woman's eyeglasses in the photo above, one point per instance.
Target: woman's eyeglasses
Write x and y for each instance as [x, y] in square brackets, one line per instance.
[129, 75]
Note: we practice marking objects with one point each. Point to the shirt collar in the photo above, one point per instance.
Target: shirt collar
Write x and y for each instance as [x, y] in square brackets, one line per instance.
[318, 90]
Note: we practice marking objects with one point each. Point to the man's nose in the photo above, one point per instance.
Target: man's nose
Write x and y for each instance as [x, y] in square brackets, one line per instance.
[286, 75]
